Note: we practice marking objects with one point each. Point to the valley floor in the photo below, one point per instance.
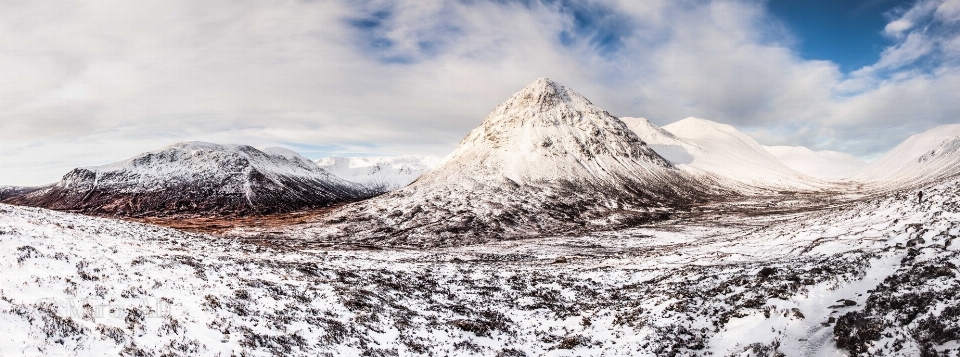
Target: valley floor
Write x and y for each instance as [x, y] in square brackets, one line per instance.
[856, 275]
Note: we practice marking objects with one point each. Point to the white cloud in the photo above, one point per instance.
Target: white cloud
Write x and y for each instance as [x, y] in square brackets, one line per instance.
[914, 46]
[897, 27]
[910, 18]
[949, 11]
[89, 82]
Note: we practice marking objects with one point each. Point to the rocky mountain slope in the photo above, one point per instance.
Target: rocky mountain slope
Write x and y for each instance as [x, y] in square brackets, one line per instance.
[196, 178]
[920, 158]
[10, 191]
[379, 173]
[545, 161]
[706, 148]
[824, 165]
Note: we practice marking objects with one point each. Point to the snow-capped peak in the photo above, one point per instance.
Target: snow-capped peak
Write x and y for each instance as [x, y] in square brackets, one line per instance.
[197, 177]
[544, 97]
[193, 158]
[545, 161]
[547, 131]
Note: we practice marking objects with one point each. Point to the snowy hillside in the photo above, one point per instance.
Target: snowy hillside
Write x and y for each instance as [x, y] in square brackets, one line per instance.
[824, 165]
[920, 158]
[871, 277]
[701, 146]
[380, 173]
[546, 160]
[196, 178]
[10, 191]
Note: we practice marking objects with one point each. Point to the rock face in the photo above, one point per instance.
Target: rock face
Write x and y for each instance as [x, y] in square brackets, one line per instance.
[704, 148]
[546, 161]
[196, 178]
[380, 174]
[924, 157]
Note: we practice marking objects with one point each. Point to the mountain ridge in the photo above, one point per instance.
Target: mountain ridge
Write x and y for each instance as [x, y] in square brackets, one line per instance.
[380, 173]
[921, 157]
[546, 161]
[721, 153]
[196, 178]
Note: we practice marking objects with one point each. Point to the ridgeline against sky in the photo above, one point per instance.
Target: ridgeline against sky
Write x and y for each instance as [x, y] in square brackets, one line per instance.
[91, 82]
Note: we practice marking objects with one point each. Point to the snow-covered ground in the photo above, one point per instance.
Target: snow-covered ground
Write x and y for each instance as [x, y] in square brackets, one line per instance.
[873, 275]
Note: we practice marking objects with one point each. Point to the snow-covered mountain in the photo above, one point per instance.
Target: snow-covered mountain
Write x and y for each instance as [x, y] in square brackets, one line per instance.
[921, 157]
[824, 165]
[386, 173]
[10, 191]
[545, 161]
[196, 178]
[700, 146]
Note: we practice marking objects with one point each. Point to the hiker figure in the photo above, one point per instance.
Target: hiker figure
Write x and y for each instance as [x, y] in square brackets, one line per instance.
[920, 197]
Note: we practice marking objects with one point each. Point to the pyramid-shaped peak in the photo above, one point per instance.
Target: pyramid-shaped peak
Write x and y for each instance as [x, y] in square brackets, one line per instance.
[544, 83]
[547, 131]
[548, 87]
[543, 94]
[544, 161]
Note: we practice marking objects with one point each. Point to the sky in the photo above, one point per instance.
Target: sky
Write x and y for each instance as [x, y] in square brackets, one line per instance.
[846, 32]
[91, 82]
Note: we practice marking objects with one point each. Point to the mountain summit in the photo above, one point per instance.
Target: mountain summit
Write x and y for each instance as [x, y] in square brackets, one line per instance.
[547, 131]
[546, 161]
[196, 178]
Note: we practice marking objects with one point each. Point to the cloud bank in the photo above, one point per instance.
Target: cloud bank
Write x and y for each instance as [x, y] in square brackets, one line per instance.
[90, 82]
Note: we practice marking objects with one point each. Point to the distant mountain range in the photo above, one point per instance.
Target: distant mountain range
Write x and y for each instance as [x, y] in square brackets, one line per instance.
[546, 161]
[379, 173]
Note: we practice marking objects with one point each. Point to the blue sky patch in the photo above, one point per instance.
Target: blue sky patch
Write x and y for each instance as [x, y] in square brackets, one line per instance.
[847, 32]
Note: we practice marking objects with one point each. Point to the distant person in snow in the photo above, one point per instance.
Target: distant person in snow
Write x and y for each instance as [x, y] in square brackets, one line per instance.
[920, 197]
